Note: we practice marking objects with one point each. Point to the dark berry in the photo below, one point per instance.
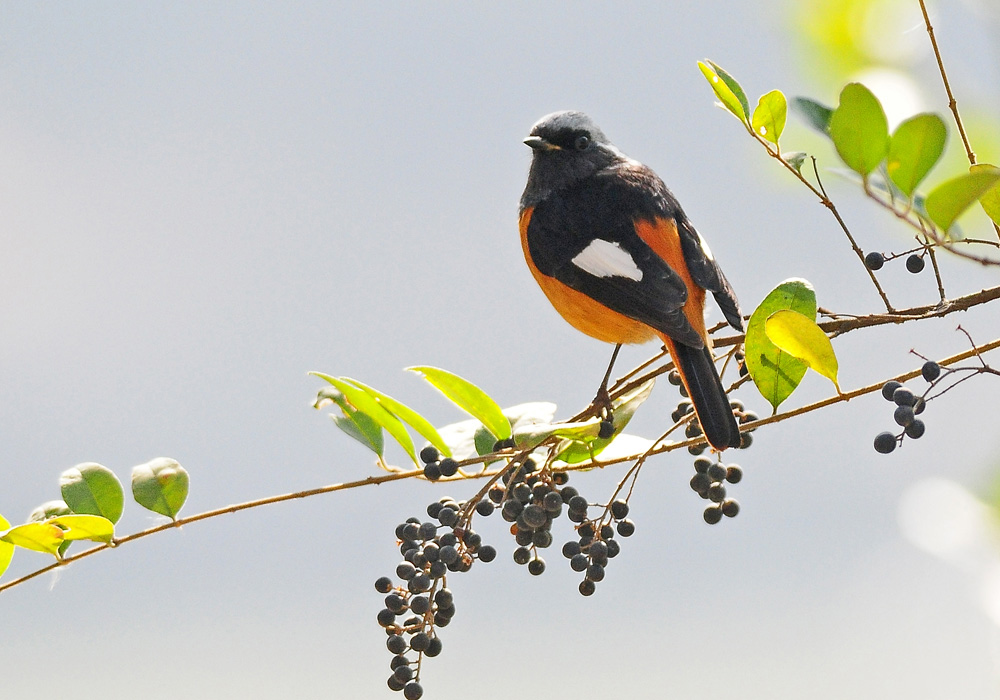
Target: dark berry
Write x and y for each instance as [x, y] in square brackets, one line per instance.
[419, 605]
[885, 443]
[541, 538]
[914, 263]
[730, 508]
[413, 691]
[874, 261]
[484, 508]
[447, 554]
[903, 397]
[674, 377]
[448, 517]
[915, 429]
[432, 471]
[717, 493]
[698, 449]
[578, 504]
[522, 555]
[626, 528]
[598, 551]
[746, 439]
[734, 474]
[702, 464]
[396, 603]
[931, 370]
[607, 532]
[595, 572]
[903, 415]
[919, 405]
[587, 587]
[434, 648]
[614, 549]
[606, 430]
[571, 549]
[395, 684]
[496, 493]
[428, 530]
[395, 644]
[552, 502]
[536, 567]
[486, 553]
[692, 429]
[534, 516]
[579, 562]
[713, 514]
[717, 472]
[444, 598]
[523, 536]
[406, 570]
[619, 509]
[438, 569]
[503, 444]
[386, 617]
[398, 660]
[383, 584]
[889, 388]
[448, 466]
[419, 583]
[429, 454]
[522, 492]
[559, 478]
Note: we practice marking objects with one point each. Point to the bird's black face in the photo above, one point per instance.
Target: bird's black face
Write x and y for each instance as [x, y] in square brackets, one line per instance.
[568, 147]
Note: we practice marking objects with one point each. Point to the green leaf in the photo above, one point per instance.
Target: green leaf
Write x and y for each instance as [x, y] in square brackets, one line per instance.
[6, 549]
[947, 201]
[733, 86]
[161, 485]
[407, 415]
[795, 159]
[729, 99]
[859, 129]
[365, 403]
[531, 436]
[798, 335]
[469, 397]
[769, 116]
[85, 527]
[990, 200]
[353, 422]
[622, 410]
[915, 147]
[38, 537]
[49, 509]
[774, 372]
[93, 489]
[468, 438]
[816, 114]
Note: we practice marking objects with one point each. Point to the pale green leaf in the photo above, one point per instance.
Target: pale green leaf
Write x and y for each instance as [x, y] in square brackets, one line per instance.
[798, 335]
[859, 129]
[93, 489]
[947, 201]
[469, 397]
[776, 373]
[915, 147]
[161, 485]
[769, 116]
[39, 537]
[990, 200]
[726, 96]
[407, 415]
[85, 527]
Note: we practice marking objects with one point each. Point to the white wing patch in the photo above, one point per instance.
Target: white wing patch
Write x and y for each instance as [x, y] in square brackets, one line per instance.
[606, 259]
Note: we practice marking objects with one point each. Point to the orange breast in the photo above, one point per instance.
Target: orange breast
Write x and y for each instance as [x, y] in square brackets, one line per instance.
[582, 312]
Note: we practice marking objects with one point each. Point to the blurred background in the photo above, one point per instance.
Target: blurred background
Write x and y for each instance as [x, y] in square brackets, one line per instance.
[200, 202]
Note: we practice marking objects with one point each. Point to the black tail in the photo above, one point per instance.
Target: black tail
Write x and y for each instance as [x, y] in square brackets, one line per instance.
[711, 404]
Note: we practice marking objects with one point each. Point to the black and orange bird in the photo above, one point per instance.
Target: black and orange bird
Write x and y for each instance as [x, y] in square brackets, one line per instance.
[616, 256]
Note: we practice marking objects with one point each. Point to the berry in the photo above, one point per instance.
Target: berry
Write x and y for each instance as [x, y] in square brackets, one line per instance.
[447, 517]
[874, 261]
[614, 549]
[698, 449]
[903, 397]
[420, 641]
[396, 603]
[386, 617]
[552, 502]
[692, 429]
[428, 530]
[419, 605]
[522, 555]
[734, 474]
[713, 514]
[419, 583]
[702, 464]
[395, 644]
[484, 508]
[383, 584]
[931, 370]
[717, 493]
[606, 430]
[619, 509]
[432, 471]
[626, 528]
[595, 572]
[541, 538]
[903, 415]
[700, 484]
[674, 377]
[587, 587]
[398, 660]
[395, 684]
[503, 444]
[444, 598]
[448, 466]
[434, 648]
[534, 516]
[536, 566]
[889, 388]
[914, 263]
[885, 443]
[915, 429]
[578, 504]
[730, 508]
[746, 439]
[413, 691]
[570, 549]
[496, 493]
[487, 553]
[406, 570]
[579, 562]
[717, 472]
[429, 454]
[919, 405]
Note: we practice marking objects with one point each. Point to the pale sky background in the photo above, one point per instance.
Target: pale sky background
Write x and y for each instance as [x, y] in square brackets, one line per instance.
[200, 202]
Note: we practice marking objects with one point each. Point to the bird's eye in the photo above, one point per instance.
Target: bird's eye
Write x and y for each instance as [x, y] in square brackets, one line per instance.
[582, 143]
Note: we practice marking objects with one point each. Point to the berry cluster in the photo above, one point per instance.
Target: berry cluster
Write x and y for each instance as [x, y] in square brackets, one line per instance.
[875, 261]
[596, 545]
[908, 407]
[421, 603]
[707, 482]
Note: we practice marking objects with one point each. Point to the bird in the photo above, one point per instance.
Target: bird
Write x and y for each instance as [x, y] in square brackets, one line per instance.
[618, 258]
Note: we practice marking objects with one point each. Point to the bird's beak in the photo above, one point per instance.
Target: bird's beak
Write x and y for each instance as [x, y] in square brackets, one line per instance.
[539, 144]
